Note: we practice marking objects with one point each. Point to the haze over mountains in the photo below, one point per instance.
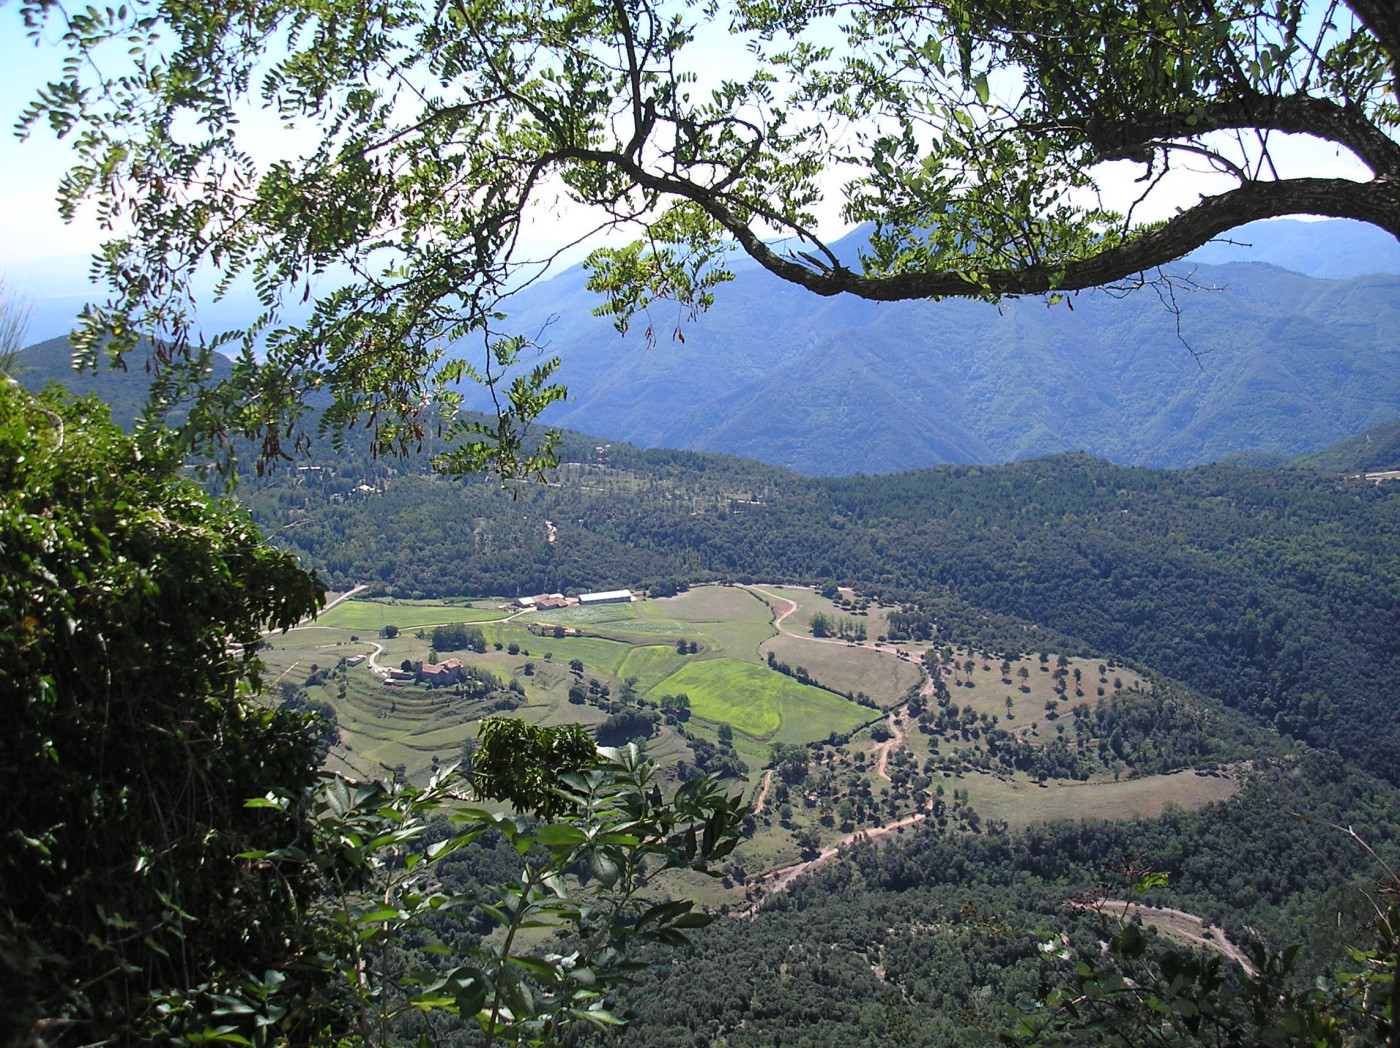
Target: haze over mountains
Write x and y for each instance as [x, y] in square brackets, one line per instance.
[1260, 359]
[1282, 343]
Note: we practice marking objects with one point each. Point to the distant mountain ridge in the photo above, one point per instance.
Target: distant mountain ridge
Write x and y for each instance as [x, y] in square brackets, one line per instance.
[35, 367]
[1255, 358]
[1287, 363]
[1335, 249]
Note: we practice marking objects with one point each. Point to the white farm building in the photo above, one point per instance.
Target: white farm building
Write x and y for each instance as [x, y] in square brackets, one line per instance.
[607, 597]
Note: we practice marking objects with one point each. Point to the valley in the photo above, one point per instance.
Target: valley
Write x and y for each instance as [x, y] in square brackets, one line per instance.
[837, 739]
[958, 701]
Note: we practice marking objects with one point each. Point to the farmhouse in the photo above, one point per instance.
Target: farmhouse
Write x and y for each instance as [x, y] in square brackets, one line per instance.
[607, 597]
[439, 672]
[542, 600]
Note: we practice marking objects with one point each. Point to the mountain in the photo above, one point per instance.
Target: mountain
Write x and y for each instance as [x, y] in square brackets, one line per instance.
[1337, 249]
[1241, 357]
[124, 389]
[1281, 343]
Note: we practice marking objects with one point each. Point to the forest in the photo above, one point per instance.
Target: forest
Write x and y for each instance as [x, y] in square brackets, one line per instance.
[1276, 591]
[177, 870]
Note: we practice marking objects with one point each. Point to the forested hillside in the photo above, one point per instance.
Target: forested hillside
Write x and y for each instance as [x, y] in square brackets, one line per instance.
[1276, 591]
[925, 940]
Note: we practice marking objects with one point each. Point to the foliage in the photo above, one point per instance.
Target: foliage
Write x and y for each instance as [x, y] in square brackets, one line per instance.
[974, 135]
[131, 610]
[1143, 995]
[519, 762]
[1172, 997]
[929, 935]
[455, 637]
[582, 875]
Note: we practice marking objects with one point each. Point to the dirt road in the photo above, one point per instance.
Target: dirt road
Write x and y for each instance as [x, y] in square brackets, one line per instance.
[763, 792]
[343, 597]
[897, 737]
[778, 618]
[374, 667]
[779, 880]
[1182, 925]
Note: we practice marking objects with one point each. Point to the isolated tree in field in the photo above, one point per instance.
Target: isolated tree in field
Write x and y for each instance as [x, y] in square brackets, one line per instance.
[978, 137]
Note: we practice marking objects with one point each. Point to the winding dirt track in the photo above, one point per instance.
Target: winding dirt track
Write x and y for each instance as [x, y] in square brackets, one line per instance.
[781, 879]
[1183, 925]
[763, 792]
[896, 738]
[374, 666]
[778, 618]
[883, 748]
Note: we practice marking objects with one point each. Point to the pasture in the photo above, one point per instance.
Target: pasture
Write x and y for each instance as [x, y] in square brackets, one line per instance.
[848, 668]
[755, 700]
[618, 655]
[372, 615]
[1019, 803]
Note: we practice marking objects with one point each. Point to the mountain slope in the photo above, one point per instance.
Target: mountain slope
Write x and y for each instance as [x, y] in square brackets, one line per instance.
[1374, 451]
[1337, 249]
[1254, 359]
[124, 390]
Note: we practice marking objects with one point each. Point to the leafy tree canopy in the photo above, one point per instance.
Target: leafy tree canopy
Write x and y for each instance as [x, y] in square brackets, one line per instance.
[973, 134]
[131, 609]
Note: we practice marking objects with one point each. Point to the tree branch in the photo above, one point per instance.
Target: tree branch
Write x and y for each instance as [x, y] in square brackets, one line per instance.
[1382, 18]
[1376, 202]
[1293, 114]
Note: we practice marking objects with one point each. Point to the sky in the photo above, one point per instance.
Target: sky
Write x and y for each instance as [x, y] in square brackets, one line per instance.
[45, 260]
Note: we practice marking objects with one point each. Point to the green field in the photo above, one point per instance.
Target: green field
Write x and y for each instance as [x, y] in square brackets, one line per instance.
[846, 668]
[1021, 804]
[599, 654]
[809, 602]
[710, 604]
[759, 702]
[373, 615]
[593, 615]
[650, 664]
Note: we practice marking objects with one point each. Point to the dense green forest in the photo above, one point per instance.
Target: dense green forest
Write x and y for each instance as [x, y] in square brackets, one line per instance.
[926, 940]
[1275, 591]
